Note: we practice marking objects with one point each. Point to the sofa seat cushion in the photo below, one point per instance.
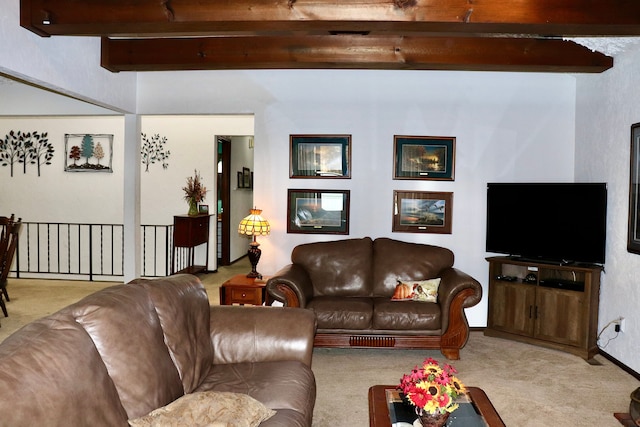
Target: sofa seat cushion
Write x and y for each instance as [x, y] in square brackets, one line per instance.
[406, 315]
[286, 386]
[342, 312]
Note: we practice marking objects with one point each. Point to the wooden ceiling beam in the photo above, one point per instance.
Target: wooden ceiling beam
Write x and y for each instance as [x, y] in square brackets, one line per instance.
[161, 18]
[351, 52]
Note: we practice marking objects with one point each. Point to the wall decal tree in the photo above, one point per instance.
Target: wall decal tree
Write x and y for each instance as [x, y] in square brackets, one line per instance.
[153, 150]
[26, 148]
[41, 150]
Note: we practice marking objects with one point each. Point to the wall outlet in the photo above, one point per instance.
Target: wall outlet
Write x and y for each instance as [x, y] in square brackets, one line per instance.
[619, 325]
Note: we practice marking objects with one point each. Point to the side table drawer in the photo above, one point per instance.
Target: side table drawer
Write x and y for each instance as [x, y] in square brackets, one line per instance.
[240, 295]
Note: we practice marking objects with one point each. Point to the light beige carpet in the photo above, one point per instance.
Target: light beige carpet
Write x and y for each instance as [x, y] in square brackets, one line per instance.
[529, 386]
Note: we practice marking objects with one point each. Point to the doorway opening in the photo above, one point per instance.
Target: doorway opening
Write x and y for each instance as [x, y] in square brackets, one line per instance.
[235, 194]
[224, 200]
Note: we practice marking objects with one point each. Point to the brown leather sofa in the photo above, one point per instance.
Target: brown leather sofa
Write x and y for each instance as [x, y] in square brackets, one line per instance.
[129, 349]
[349, 283]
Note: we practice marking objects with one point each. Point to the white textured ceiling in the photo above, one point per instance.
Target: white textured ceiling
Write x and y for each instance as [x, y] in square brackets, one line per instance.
[610, 46]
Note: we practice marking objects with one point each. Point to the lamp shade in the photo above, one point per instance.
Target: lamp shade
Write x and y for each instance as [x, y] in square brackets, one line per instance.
[254, 224]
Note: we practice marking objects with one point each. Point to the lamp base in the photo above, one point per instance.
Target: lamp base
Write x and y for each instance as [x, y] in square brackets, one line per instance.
[254, 253]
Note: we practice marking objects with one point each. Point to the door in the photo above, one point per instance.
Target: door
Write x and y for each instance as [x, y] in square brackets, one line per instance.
[561, 316]
[512, 307]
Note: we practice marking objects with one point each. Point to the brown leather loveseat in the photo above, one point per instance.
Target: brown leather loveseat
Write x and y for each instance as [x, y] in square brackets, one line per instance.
[128, 349]
[349, 283]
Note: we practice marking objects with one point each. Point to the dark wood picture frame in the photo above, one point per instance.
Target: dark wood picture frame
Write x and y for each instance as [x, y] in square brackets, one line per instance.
[246, 178]
[424, 157]
[320, 156]
[422, 212]
[240, 180]
[633, 238]
[318, 211]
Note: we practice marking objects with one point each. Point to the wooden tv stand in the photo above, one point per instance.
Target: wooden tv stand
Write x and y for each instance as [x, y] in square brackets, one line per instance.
[557, 308]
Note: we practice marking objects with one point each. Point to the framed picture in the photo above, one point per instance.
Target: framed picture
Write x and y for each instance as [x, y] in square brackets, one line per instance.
[318, 211]
[633, 240]
[424, 157]
[88, 152]
[246, 178]
[422, 212]
[240, 180]
[203, 209]
[320, 156]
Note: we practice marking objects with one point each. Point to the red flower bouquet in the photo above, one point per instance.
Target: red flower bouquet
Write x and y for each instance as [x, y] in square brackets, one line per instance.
[431, 388]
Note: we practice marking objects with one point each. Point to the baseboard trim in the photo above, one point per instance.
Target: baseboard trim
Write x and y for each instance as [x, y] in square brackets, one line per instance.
[620, 365]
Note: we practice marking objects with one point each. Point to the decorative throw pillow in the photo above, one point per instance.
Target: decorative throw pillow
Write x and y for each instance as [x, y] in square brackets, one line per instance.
[208, 409]
[420, 290]
[403, 292]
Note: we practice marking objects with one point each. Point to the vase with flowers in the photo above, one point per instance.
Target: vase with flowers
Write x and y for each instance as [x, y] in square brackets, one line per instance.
[194, 192]
[432, 389]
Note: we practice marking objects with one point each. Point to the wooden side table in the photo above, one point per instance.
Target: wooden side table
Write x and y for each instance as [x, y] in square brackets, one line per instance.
[242, 290]
[189, 232]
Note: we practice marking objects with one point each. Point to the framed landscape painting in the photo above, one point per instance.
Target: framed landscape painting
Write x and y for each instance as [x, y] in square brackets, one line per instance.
[422, 212]
[318, 211]
[320, 156]
[424, 157]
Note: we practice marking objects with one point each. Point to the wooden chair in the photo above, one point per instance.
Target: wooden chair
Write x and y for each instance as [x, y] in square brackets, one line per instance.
[8, 244]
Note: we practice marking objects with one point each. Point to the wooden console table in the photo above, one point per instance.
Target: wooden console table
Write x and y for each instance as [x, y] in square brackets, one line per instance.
[188, 233]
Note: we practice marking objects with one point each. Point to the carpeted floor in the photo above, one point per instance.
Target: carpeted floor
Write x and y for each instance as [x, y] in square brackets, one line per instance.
[530, 386]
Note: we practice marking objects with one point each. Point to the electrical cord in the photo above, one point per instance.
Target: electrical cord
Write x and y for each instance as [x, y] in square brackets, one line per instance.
[604, 328]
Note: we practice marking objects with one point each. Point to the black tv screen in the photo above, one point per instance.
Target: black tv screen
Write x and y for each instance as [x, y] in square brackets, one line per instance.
[548, 222]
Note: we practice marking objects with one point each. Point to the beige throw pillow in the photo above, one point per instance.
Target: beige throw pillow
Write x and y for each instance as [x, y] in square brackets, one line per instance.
[421, 290]
[208, 409]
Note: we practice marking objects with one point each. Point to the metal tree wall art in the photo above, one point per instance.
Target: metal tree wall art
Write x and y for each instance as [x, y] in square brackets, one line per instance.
[31, 148]
[153, 151]
[92, 148]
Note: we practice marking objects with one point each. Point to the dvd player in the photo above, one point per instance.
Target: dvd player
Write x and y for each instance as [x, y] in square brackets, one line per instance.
[569, 285]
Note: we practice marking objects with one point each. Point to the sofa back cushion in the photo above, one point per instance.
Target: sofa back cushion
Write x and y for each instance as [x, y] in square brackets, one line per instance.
[53, 375]
[337, 268]
[126, 331]
[182, 305]
[394, 260]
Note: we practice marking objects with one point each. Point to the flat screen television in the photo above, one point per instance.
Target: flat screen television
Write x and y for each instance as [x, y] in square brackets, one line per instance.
[548, 222]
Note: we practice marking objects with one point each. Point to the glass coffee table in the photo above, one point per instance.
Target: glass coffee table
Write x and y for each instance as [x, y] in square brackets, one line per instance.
[386, 409]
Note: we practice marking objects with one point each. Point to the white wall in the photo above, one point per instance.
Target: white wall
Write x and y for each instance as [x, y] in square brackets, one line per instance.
[607, 105]
[509, 127]
[69, 65]
[59, 196]
[191, 140]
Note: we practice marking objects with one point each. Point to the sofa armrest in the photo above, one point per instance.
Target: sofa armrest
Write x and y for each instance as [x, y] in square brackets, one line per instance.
[261, 334]
[456, 284]
[291, 285]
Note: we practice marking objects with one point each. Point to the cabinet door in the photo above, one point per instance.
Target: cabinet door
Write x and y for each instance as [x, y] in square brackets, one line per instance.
[561, 316]
[511, 307]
